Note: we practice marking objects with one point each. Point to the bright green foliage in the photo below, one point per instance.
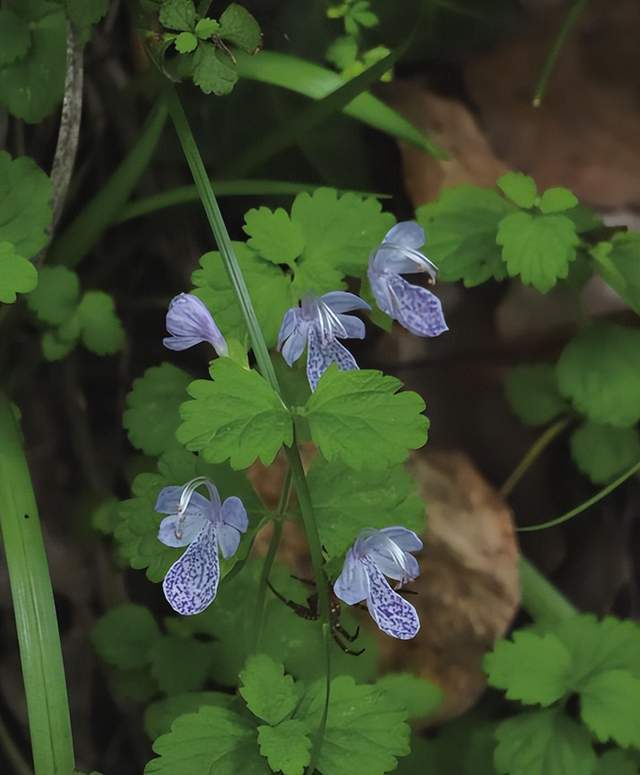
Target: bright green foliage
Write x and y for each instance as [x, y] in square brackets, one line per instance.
[355, 14]
[339, 231]
[179, 664]
[236, 417]
[213, 740]
[421, 698]
[31, 85]
[521, 189]
[616, 762]
[125, 636]
[538, 248]
[461, 229]
[269, 693]
[205, 28]
[532, 668]
[152, 417]
[269, 288]
[160, 715]
[602, 451]
[25, 203]
[557, 200]
[186, 42]
[346, 501]
[213, 71]
[532, 391]
[17, 275]
[100, 327]
[274, 235]
[359, 418]
[56, 297]
[609, 703]
[287, 747]
[544, 742]
[598, 370]
[238, 27]
[137, 530]
[365, 732]
[15, 37]
[618, 262]
[178, 14]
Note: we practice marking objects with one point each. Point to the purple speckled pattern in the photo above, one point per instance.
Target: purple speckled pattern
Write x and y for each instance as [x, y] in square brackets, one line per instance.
[320, 357]
[391, 612]
[191, 582]
[416, 308]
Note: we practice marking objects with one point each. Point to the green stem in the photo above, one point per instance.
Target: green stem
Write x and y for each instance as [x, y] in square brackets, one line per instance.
[263, 359]
[36, 623]
[635, 468]
[532, 454]
[539, 596]
[567, 25]
[285, 494]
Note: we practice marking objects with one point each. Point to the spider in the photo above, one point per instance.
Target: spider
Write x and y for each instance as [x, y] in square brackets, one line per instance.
[311, 611]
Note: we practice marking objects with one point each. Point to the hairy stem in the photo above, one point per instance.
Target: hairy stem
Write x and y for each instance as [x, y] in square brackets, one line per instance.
[263, 359]
[635, 468]
[285, 494]
[532, 454]
[36, 623]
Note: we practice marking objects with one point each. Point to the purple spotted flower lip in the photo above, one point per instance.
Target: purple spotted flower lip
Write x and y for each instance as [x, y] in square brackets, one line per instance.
[374, 555]
[415, 308]
[317, 324]
[189, 322]
[204, 526]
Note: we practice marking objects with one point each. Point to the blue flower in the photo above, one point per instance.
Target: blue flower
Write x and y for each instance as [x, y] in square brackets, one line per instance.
[189, 322]
[317, 324]
[374, 555]
[204, 525]
[415, 308]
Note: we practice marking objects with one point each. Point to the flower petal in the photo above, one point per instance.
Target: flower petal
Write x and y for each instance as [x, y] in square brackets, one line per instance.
[169, 497]
[407, 234]
[416, 308]
[189, 322]
[392, 613]
[228, 540]
[352, 585]
[342, 301]
[388, 556]
[288, 325]
[189, 528]
[354, 327]
[235, 514]
[321, 356]
[191, 582]
[294, 346]
[405, 538]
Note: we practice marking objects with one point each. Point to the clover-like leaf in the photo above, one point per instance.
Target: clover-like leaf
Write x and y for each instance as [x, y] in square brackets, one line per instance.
[186, 42]
[287, 747]
[152, 416]
[360, 419]
[519, 188]
[212, 740]
[346, 501]
[178, 14]
[101, 329]
[160, 715]
[213, 70]
[598, 372]
[609, 703]
[125, 635]
[532, 391]
[461, 227]
[538, 248]
[547, 676]
[269, 693]
[56, 297]
[269, 288]
[557, 200]
[236, 417]
[17, 275]
[239, 27]
[543, 742]
[602, 451]
[25, 204]
[618, 262]
[366, 732]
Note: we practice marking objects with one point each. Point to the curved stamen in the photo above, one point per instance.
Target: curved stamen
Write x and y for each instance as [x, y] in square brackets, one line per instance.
[423, 263]
[185, 498]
